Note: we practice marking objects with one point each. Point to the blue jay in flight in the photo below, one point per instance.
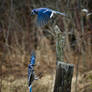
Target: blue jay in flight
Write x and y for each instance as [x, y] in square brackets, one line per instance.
[31, 73]
[44, 15]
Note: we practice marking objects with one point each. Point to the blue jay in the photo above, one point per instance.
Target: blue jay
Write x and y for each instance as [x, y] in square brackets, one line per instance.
[31, 73]
[44, 15]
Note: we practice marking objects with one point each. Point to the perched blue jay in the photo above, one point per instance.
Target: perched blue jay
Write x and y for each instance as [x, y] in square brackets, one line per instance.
[44, 15]
[31, 73]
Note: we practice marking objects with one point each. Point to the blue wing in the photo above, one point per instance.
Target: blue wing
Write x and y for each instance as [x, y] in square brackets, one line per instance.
[45, 14]
[43, 18]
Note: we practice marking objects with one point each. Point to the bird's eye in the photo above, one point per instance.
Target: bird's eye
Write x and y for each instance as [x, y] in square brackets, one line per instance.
[35, 12]
[32, 13]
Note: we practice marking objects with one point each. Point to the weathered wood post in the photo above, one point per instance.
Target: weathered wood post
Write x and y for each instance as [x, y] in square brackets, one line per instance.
[64, 71]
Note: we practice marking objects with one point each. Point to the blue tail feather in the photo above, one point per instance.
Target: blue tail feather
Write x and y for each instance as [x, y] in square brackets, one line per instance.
[60, 13]
[30, 88]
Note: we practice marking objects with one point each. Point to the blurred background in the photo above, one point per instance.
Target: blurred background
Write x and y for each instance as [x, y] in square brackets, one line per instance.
[19, 35]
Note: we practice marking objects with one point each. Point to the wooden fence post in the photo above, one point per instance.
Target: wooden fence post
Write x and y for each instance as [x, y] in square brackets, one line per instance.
[63, 79]
[64, 71]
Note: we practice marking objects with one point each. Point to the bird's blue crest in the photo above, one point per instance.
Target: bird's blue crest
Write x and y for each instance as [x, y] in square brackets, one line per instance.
[32, 59]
